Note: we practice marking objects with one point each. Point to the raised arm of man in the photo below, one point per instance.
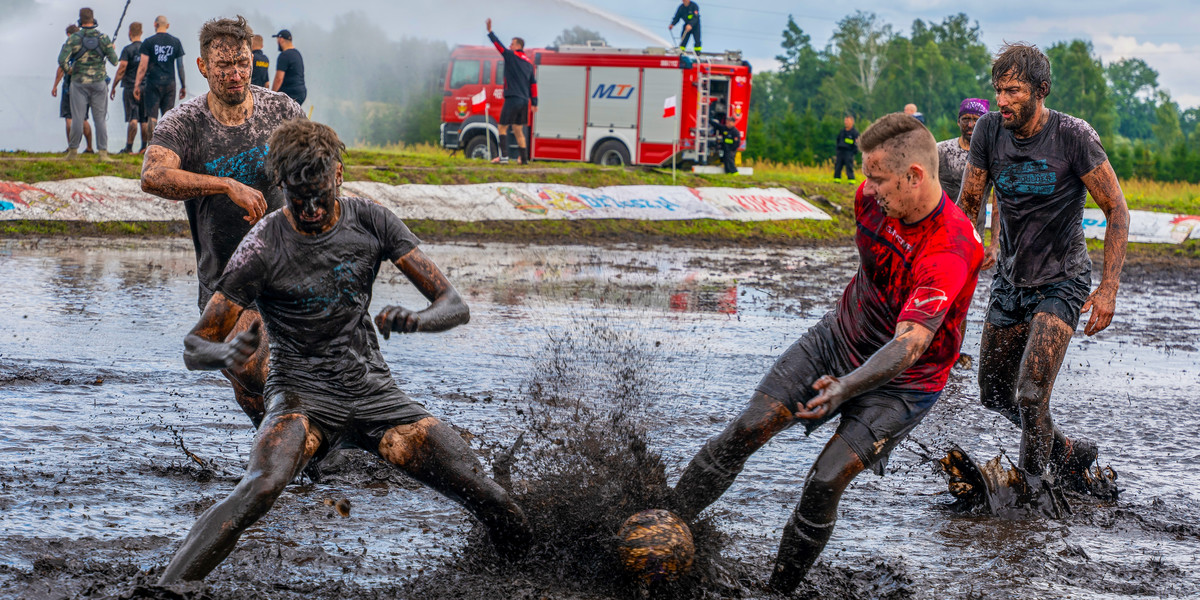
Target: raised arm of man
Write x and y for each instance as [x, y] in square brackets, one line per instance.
[163, 177]
[445, 311]
[1102, 184]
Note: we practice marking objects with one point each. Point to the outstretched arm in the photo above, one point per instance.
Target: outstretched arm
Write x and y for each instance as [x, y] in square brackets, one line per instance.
[1102, 184]
[163, 177]
[909, 343]
[495, 40]
[974, 186]
[204, 348]
[445, 311]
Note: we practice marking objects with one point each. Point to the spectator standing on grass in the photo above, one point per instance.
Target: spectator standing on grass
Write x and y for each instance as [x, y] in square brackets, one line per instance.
[126, 76]
[64, 103]
[262, 65]
[82, 57]
[155, 84]
[289, 68]
[847, 148]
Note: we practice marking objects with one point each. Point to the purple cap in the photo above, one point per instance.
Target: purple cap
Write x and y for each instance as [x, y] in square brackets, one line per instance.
[973, 106]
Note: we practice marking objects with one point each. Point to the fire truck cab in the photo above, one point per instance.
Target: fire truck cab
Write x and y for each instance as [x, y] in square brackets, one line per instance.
[600, 104]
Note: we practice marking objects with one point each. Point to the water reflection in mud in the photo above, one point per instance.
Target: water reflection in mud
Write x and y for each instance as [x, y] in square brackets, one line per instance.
[96, 402]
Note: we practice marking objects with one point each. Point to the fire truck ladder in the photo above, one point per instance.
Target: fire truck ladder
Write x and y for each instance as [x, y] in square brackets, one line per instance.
[703, 97]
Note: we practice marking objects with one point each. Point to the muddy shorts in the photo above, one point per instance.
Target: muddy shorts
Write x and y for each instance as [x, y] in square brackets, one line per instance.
[872, 424]
[349, 422]
[515, 111]
[1011, 305]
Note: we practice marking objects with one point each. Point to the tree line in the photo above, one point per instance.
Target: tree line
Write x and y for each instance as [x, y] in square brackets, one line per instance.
[868, 69]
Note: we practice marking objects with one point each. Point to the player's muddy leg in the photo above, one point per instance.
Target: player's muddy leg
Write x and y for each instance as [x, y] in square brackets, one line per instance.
[282, 445]
[248, 382]
[434, 454]
[1049, 337]
[811, 524]
[1000, 351]
[719, 462]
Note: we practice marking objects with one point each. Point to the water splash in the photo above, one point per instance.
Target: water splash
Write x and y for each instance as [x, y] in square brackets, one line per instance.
[616, 20]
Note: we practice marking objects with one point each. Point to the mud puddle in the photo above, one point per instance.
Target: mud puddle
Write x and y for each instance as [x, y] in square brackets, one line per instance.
[95, 492]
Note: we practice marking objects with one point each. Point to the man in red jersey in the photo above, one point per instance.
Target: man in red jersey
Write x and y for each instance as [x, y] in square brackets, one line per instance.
[879, 359]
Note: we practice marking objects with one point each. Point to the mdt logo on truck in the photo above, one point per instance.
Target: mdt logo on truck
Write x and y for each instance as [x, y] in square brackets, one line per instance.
[599, 104]
[616, 91]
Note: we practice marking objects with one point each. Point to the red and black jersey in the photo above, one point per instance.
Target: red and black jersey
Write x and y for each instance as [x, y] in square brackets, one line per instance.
[924, 272]
[519, 81]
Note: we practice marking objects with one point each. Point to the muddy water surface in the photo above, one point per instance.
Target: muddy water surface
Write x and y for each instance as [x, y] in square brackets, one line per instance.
[96, 491]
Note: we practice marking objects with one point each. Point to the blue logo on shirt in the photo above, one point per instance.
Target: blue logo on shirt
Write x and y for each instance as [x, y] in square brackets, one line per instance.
[246, 167]
[1033, 177]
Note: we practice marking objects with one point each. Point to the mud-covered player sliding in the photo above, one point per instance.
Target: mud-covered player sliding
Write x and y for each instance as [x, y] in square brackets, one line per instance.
[310, 269]
[880, 359]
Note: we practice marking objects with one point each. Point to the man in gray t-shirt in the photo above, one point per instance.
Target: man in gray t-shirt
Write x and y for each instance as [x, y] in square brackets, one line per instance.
[1043, 164]
[952, 163]
[310, 269]
[209, 152]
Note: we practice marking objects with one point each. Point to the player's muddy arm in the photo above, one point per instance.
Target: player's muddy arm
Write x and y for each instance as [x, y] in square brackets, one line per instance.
[163, 177]
[974, 184]
[204, 348]
[446, 308]
[1102, 184]
[896, 356]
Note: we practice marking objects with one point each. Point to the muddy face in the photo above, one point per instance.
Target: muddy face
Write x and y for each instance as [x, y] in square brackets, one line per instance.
[887, 186]
[313, 208]
[966, 125]
[1017, 103]
[227, 67]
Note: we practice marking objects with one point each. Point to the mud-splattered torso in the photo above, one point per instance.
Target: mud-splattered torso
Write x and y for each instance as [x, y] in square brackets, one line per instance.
[923, 272]
[314, 292]
[206, 146]
[1039, 187]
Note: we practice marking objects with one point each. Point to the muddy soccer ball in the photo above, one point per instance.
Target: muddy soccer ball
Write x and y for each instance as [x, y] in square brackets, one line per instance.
[655, 545]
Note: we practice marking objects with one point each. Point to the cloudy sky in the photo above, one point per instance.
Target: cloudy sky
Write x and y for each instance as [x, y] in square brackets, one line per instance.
[31, 31]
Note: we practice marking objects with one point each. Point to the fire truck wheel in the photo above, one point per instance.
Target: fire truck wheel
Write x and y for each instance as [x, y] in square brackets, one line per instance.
[611, 153]
[477, 148]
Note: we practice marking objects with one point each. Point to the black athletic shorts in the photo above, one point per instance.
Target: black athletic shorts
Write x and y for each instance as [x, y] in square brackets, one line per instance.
[515, 111]
[872, 424]
[133, 106]
[157, 99]
[1011, 305]
[349, 422]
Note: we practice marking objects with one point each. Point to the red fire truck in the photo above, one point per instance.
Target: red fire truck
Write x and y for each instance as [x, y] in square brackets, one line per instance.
[600, 104]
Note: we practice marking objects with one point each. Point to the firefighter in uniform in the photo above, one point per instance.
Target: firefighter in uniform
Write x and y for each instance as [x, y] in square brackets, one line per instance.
[689, 13]
[729, 138]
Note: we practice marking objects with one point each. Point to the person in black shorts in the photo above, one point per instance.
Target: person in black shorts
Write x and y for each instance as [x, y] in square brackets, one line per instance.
[162, 57]
[1042, 165]
[880, 359]
[310, 269]
[520, 92]
[64, 104]
[126, 76]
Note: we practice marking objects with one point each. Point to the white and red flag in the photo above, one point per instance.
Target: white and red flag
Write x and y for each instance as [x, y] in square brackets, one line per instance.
[479, 99]
[669, 107]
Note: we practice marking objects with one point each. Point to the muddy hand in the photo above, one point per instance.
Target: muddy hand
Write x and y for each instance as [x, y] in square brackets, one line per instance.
[989, 258]
[249, 199]
[1104, 301]
[832, 395]
[396, 318]
[243, 346]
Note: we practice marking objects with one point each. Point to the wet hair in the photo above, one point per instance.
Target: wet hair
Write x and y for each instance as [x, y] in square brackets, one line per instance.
[135, 28]
[905, 139]
[234, 30]
[303, 153]
[72, 28]
[520, 41]
[1025, 62]
[86, 16]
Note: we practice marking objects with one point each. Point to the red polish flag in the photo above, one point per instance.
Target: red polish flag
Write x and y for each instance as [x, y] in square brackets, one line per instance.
[669, 107]
[478, 99]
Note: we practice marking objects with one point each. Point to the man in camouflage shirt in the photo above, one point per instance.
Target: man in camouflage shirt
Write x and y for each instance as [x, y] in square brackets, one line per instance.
[82, 57]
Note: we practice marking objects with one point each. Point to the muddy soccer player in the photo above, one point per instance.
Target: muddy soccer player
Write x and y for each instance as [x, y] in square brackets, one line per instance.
[879, 359]
[310, 268]
[209, 152]
[1042, 165]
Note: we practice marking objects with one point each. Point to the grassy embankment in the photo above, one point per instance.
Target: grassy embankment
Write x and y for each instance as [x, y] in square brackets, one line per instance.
[432, 165]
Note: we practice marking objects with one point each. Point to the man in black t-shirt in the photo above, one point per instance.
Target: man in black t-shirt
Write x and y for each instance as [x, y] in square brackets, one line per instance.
[520, 92]
[210, 154]
[289, 69]
[162, 55]
[1042, 165]
[689, 13]
[127, 76]
[847, 148]
[262, 64]
[310, 269]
